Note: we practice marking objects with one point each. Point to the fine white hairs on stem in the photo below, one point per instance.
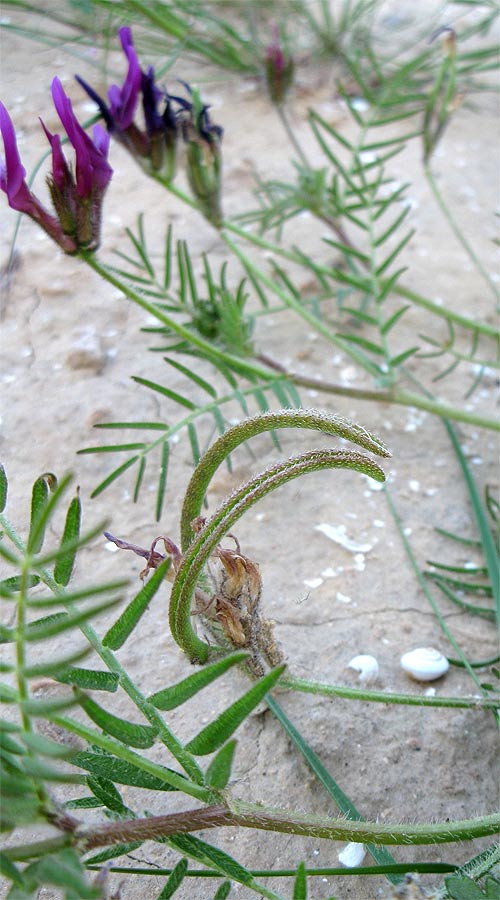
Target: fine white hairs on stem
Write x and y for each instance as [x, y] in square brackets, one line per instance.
[425, 664]
[352, 855]
[367, 666]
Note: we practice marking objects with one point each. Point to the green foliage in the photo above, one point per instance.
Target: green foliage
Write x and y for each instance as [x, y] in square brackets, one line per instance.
[205, 327]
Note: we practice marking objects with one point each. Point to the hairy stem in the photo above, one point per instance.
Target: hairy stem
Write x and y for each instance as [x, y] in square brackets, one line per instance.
[332, 690]
[253, 815]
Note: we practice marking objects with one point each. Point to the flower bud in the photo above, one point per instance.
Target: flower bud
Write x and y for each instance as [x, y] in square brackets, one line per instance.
[204, 159]
[279, 69]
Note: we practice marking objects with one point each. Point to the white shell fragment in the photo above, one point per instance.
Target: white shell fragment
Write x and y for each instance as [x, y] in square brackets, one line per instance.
[367, 666]
[352, 855]
[425, 664]
[338, 534]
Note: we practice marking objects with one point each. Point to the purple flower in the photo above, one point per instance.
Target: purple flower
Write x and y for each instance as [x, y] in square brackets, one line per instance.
[93, 172]
[154, 147]
[19, 196]
[77, 198]
[279, 68]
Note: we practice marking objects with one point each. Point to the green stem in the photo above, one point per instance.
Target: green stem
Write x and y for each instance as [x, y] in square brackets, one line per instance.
[244, 431]
[291, 134]
[207, 348]
[332, 690]
[253, 815]
[431, 181]
[395, 396]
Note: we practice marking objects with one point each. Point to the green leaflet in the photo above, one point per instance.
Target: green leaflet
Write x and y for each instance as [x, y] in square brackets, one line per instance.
[211, 856]
[215, 734]
[48, 626]
[120, 771]
[3, 488]
[46, 747]
[176, 695]
[125, 624]
[219, 770]
[89, 679]
[300, 884]
[9, 870]
[39, 501]
[113, 852]
[63, 567]
[12, 585]
[460, 887]
[223, 891]
[64, 870]
[129, 733]
[175, 879]
[107, 794]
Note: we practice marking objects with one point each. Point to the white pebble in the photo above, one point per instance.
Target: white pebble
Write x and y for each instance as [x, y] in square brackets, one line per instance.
[367, 666]
[352, 855]
[313, 582]
[338, 534]
[424, 664]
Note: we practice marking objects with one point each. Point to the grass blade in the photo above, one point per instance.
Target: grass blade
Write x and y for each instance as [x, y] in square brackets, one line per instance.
[379, 854]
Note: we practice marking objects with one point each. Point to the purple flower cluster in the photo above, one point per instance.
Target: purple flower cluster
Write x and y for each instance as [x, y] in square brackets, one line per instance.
[77, 197]
[165, 116]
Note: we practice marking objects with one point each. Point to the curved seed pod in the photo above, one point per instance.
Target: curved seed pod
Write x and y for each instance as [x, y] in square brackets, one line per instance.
[224, 518]
[282, 418]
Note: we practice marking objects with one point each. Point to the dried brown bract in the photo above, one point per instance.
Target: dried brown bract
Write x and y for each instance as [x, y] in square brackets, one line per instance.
[233, 601]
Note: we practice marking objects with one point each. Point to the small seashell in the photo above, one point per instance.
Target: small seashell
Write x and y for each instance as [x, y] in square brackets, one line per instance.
[352, 855]
[424, 664]
[367, 666]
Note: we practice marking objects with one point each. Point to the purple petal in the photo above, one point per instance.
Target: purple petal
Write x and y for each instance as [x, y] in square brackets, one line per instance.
[92, 168]
[13, 173]
[123, 101]
[60, 169]
[101, 139]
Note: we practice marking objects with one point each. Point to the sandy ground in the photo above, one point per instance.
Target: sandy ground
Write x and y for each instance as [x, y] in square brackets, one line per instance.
[70, 345]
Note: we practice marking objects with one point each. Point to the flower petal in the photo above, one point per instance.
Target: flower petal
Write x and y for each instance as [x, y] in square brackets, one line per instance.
[13, 173]
[92, 168]
[123, 101]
